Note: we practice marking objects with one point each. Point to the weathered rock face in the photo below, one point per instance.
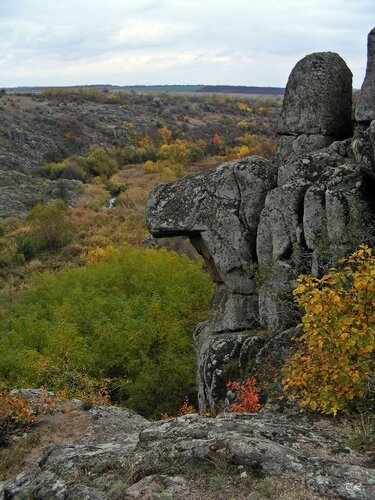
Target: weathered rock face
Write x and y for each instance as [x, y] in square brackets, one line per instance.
[222, 357]
[259, 224]
[365, 108]
[33, 190]
[317, 104]
[363, 148]
[122, 455]
[210, 208]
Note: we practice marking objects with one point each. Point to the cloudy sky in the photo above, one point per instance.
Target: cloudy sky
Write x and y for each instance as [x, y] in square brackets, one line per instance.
[127, 42]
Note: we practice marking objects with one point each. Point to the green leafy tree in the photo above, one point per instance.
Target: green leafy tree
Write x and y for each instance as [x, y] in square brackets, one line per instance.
[195, 153]
[51, 227]
[100, 162]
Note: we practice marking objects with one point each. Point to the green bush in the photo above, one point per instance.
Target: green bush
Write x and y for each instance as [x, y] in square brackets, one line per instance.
[115, 188]
[100, 162]
[26, 247]
[51, 226]
[126, 322]
[97, 162]
[196, 154]
[127, 154]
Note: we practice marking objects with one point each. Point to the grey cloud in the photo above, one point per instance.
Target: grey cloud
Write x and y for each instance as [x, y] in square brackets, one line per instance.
[247, 32]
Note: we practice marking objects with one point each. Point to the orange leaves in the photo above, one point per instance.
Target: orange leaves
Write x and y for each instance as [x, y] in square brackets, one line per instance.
[186, 408]
[330, 369]
[18, 410]
[247, 395]
[216, 140]
[14, 414]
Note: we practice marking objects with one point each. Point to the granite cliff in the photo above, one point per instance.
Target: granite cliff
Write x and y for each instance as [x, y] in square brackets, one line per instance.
[260, 223]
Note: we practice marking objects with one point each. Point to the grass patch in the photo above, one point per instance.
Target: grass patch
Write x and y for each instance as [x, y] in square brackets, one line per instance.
[12, 457]
[362, 433]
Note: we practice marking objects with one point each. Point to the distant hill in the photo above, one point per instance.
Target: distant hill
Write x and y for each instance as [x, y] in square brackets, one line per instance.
[241, 89]
[172, 89]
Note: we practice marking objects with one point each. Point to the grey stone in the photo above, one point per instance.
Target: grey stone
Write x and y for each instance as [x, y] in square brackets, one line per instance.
[219, 211]
[32, 395]
[18, 192]
[273, 445]
[301, 144]
[221, 358]
[256, 236]
[314, 223]
[42, 485]
[157, 486]
[278, 281]
[346, 481]
[280, 221]
[343, 197]
[308, 166]
[318, 97]
[233, 311]
[363, 148]
[365, 107]
[65, 189]
[342, 148]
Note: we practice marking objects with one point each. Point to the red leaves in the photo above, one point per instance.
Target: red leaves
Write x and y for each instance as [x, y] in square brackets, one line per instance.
[216, 139]
[247, 395]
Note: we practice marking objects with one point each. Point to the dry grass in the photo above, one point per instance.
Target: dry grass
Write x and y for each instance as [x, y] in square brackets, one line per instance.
[217, 480]
[23, 453]
[95, 225]
[13, 458]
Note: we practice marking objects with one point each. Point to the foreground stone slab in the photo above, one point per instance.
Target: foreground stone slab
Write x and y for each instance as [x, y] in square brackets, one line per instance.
[134, 458]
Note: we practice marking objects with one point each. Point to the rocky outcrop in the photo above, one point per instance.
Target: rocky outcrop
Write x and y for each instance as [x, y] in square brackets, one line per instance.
[365, 107]
[259, 224]
[123, 455]
[33, 190]
[210, 208]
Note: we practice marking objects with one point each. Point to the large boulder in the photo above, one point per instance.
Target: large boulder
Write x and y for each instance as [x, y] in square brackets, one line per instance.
[148, 460]
[317, 104]
[318, 97]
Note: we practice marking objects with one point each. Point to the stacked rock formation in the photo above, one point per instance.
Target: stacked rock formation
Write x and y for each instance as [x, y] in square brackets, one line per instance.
[275, 219]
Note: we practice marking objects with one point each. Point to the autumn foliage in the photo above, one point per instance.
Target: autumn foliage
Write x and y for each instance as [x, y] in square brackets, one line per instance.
[332, 368]
[247, 395]
[186, 408]
[14, 414]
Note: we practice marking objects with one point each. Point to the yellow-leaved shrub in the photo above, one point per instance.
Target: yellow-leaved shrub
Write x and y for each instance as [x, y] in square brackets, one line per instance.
[332, 369]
